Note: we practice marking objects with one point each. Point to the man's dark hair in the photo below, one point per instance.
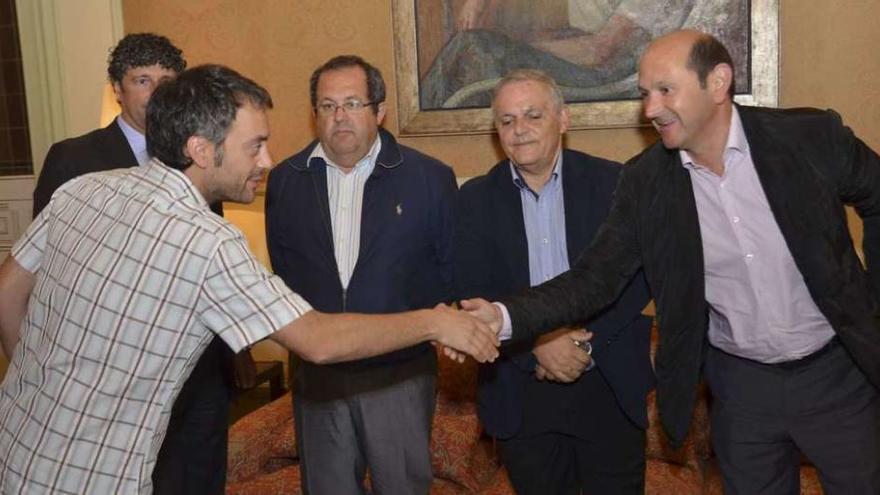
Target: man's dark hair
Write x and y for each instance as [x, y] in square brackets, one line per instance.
[706, 53]
[202, 101]
[375, 83]
[143, 50]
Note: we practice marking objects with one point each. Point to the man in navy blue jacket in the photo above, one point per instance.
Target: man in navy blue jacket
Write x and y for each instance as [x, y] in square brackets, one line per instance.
[564, 424]
[372, 234]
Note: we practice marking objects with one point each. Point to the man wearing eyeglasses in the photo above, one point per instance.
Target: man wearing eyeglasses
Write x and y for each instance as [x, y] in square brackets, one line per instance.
[373, 235]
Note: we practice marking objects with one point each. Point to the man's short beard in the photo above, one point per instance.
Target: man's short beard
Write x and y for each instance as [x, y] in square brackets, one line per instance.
[218, 155]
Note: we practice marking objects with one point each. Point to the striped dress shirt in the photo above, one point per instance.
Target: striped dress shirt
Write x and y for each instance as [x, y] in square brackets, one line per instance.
[345, 196]
[134, 275]
[544, 221]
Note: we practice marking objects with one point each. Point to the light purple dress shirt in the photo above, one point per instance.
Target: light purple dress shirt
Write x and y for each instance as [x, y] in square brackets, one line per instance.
[759, 305]
[136, 141]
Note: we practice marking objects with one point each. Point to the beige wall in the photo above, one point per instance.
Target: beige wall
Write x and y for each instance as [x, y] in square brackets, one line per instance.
[279, 42]
[86, 31]
[833, 64]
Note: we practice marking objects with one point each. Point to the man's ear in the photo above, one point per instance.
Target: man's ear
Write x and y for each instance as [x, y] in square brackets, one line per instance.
[117, 91]
[380, 113]
[201, 151]
[719, 80]
[564, 119]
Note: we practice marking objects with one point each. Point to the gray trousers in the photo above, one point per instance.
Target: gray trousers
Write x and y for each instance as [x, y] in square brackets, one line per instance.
[376, 419]
[765, 416]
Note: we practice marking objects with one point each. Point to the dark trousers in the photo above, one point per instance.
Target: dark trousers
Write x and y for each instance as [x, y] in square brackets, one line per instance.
[192, 459]
[765, 416]
[607, 456]
[378, 418]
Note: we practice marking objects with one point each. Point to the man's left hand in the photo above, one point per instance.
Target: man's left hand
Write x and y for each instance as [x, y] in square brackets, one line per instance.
[559, 359]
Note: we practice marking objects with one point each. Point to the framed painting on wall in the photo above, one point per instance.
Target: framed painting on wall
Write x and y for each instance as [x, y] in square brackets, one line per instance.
[450, 53]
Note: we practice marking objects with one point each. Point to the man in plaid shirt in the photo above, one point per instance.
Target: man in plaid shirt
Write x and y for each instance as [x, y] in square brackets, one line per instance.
[114, 291]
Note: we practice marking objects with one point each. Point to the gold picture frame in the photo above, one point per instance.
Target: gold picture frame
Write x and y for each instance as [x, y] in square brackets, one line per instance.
[762, 72]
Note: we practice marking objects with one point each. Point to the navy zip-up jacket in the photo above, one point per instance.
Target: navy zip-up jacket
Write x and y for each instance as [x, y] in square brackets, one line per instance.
[405, 259]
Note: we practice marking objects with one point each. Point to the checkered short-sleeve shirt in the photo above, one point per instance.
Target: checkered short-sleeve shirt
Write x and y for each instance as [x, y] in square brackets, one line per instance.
[134, 276]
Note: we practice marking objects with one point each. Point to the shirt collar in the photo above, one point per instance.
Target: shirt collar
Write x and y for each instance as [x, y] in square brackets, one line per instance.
[173, 181]
[136, 141]
[736, 142]
[520, 183]
[367, 161]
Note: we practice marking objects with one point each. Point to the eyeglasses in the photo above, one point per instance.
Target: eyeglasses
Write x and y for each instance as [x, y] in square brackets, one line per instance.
[349, 106]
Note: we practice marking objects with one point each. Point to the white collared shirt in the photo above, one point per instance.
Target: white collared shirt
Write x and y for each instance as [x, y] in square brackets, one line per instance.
[345, 195]
[136, 141]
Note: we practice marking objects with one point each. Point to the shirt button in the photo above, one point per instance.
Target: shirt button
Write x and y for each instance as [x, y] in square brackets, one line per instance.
[735, 219]
[545, 240]
[749, 256]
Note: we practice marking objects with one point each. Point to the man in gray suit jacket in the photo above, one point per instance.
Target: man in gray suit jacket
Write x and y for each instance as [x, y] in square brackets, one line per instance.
[738, 220]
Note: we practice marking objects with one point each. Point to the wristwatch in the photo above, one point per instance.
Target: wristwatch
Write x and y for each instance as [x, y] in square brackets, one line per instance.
[584, 345]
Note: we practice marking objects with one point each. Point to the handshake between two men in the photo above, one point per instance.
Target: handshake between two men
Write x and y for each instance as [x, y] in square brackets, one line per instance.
[323, 338]
[456, 344]
[484, 316]
[557, 361]
[474, 331]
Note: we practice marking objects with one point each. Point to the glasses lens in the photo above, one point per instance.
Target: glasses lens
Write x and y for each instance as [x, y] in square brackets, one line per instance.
[327, 107]
[330, 107]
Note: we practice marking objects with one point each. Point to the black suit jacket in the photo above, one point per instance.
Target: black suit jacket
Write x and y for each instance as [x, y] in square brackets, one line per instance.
[96, 151]
[809, 165]
[101, 149]
[492, 259]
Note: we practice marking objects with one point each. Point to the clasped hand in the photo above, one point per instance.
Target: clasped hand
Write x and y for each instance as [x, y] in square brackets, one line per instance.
[486, 314]
[559, 359]
[460, 333]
